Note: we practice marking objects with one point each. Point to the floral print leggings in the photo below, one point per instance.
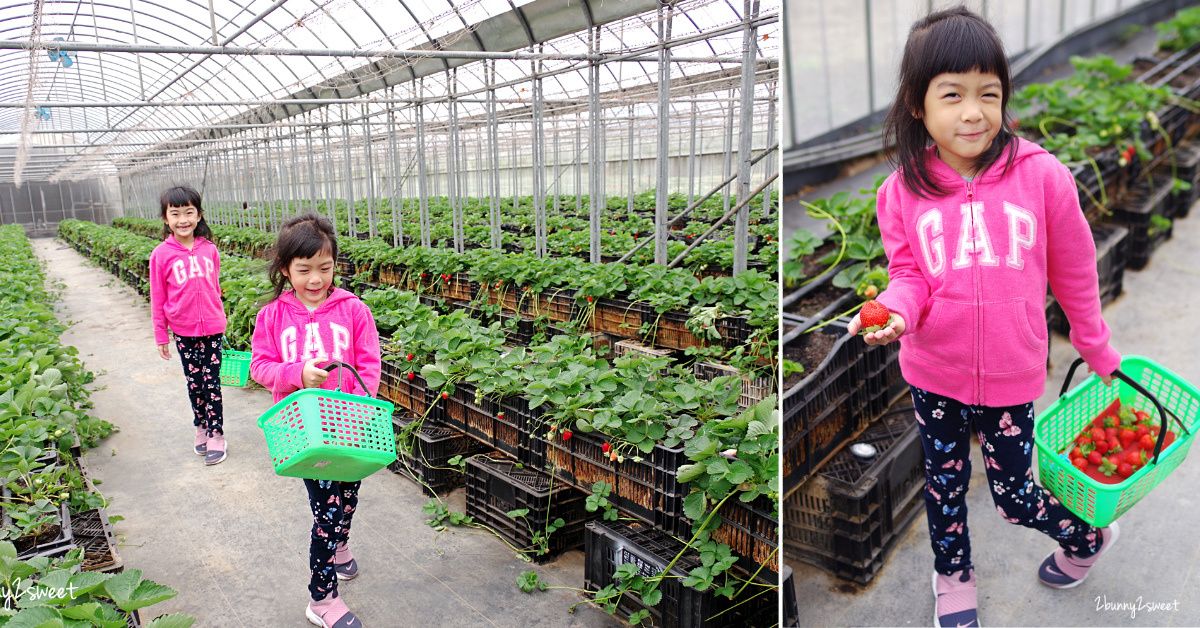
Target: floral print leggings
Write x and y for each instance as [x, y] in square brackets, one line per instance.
[1006, 437]
[333, 505]
[202, 366]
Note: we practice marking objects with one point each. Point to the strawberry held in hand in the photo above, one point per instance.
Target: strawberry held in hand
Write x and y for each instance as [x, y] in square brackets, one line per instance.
[874, 316]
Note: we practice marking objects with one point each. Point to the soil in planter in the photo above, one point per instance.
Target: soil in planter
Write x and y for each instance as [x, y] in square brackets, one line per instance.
[1184, 79]
[47, 535]
[810, 350]
[816, 300]
[812, 267]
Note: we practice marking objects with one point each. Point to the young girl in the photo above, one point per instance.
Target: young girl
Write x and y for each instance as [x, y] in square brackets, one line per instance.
[308, 324]
[975, 221]
[185, 294]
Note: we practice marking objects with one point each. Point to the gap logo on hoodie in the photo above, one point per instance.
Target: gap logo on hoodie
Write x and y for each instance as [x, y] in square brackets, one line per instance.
[192, 268]
[313, 346]
[974, 243]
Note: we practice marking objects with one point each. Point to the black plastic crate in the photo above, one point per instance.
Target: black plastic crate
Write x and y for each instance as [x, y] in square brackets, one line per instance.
[403, 391]
[1112, 178]
[93, 533]
[480, 417]
[751, 530]
[519, 334]
[804, 402]
[433, 446]
[497, 487]
[609, 546]
[846, 518]
[1187, 168]
[1135, 211]
[791, 608]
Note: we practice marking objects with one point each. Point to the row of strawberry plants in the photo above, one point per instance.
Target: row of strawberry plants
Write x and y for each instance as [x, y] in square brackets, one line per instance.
[654, 303]
[45, 429]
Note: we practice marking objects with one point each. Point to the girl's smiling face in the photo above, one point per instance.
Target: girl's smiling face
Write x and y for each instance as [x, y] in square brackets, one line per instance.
[311, 277]
[963, 113]
[182, 222]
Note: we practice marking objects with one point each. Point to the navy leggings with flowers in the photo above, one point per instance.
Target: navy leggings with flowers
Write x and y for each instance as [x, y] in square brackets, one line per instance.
[202, 366]
[333, 505]
[1006, 436]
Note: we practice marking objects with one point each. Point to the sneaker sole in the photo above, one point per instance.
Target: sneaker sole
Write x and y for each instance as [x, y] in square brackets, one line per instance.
[313, 619]
[341, 577]
[1115, 530]
[201, 452]
[224, 455]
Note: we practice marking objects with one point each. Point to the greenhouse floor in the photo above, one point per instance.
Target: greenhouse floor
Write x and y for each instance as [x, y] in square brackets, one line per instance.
[1157, 557]
[233, 538]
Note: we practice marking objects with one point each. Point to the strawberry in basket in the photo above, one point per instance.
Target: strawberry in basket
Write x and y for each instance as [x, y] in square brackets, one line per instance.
[1115, 444]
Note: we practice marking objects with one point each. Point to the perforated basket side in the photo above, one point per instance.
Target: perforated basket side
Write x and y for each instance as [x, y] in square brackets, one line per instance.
[235, 368]
[284, 433]
[354, 421]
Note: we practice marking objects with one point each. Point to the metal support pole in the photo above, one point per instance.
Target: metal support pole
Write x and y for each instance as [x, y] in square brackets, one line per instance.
[422, 185]
[330, 193]
[746, 137]
[557, 169]
[351, 214]
[397, 197]
[664, 147]
[770, 166]
[368, 163]
[596, 158]
[631, 153]
[312, 174]
[578, 166]
[494, 155]
[692, 158]
[452, 168]
[538, 154]
[133, 22]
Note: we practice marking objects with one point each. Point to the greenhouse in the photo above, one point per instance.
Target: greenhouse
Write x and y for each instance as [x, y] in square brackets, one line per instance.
[547, 242]
[994, 298]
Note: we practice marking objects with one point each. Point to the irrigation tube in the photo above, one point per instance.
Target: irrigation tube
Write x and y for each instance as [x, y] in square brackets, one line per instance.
[723, 220]
[687, 211]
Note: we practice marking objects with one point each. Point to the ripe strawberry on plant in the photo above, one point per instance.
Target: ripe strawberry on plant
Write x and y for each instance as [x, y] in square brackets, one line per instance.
[566, 434]
[874, 316]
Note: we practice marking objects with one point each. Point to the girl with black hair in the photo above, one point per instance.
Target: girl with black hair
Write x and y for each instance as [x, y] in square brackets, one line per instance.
[185, 295]
[975, 223]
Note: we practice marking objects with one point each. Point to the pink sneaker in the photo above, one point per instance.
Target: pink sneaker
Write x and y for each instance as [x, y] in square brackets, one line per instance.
[1063, 570]
[956, 602]
[201, 447]
[216, 449]
[331, 612]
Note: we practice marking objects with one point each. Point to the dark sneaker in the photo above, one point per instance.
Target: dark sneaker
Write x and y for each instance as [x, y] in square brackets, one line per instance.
[331, 613]
[201, 447]
[216, 449]
[1063, 570]
[346, 571]
[956, 603]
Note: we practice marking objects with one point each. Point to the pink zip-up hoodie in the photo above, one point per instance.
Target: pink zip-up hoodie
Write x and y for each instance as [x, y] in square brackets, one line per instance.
[968, 274]
[286, 335]
[185, 289]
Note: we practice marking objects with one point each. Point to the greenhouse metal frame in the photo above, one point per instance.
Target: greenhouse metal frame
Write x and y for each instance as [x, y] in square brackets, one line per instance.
[277, 104]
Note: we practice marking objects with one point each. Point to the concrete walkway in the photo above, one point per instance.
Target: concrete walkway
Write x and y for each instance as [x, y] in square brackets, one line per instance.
[1157, 559]
[233, 538]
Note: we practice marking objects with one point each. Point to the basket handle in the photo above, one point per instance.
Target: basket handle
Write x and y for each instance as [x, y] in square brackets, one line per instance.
[336, 364]
[1163, 413]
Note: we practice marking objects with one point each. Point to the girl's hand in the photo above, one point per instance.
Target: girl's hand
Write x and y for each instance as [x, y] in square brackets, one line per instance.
[164, 351]
[312, 376]
[883, 336]
[1107, 379]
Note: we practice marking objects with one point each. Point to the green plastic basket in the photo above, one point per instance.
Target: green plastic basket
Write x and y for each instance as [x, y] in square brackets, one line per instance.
[321, 434]
[235, 367]
[1140, 382]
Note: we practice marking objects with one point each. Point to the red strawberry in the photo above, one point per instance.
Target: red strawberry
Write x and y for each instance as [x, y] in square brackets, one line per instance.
[1083, 439]
[422, 275]
[590, 299]
[1142, 430]
[1124, 470]
[500, 415]
[612, 455]
[607, 447]
[1095, 457]
[566, 434]
[445, 395]
[1098, 434]
[1134, 457]
[873, 317]
[1076, 453]
[1114, 445]
[1102, 446]
[1110, 433]
[411, 376]
[1147, 442]
[1127, 437]
[409, 357]
[1080, 464]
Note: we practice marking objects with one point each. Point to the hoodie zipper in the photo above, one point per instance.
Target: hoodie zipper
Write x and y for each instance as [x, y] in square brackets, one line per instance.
[977, 281]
